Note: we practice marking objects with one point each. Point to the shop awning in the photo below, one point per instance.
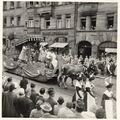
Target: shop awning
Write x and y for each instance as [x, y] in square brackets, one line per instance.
[43, 43]
[59, 45]
[111, 50]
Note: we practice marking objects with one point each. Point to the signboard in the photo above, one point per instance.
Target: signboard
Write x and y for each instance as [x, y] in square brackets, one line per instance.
[55, 33]
[111, 50]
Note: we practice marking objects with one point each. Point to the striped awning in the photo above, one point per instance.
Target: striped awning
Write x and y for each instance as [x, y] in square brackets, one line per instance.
[58, 45]
[35, 38]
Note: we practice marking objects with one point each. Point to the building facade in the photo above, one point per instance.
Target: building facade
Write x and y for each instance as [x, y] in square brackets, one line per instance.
[88, 28]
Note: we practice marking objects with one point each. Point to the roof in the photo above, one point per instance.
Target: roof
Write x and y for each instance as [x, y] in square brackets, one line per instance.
[43, 43]
[59, 45]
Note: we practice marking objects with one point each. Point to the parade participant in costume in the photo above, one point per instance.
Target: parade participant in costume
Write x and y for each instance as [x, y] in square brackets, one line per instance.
[80, 60]
[89, 97]
[23, 54]
[78, 93]
[107, 102]
[86, 61]
[75, 60]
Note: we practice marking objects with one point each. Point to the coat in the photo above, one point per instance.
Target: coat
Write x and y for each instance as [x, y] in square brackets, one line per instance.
[24, 105]
[8, 104]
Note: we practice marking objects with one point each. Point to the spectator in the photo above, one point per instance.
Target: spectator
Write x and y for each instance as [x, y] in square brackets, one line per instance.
[24, 104]
[50, 100]
[57, 107]
[37, 112]
[23, 83]
[79, 108]
[41, 95]
[46, 108]
[8, 102]
[7, 84]
[66, 111]
[100, 113]
[33, 94]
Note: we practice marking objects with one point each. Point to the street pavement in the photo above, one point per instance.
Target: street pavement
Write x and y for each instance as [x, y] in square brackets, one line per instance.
[68, 93]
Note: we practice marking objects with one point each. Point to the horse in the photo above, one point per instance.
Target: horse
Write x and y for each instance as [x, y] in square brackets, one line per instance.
[76, 72]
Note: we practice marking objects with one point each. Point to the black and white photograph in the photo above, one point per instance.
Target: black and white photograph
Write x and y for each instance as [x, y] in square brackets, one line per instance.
[59, 59]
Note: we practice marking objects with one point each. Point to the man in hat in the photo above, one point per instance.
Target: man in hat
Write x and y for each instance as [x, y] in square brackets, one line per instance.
[107, 102]
[50, 100]
[8, 102]
[46, 108]
[25, 104]
[37, 112]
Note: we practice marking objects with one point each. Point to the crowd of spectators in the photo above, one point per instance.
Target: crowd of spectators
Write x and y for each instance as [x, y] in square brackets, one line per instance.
[21, 101]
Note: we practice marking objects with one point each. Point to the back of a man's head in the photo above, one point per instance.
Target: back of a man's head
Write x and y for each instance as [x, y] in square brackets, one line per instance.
[69, 105]
[60, 100]
[42, 91]
[9, 79]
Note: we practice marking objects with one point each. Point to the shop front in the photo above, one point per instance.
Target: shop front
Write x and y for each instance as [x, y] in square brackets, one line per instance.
[107, 47]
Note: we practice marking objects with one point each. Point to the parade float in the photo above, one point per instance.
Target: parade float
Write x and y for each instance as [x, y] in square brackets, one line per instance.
[29, 69]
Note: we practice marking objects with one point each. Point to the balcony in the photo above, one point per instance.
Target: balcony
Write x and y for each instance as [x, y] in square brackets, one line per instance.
[33, 30]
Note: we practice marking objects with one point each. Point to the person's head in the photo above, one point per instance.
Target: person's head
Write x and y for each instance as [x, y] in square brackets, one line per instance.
[42, 91]
[69, 105]
[80, 106]
[32, 85]
[100, 113]
[109, 87]
[23, 83]
[21, 92]
[51, 92]
[12, 87]
[60, 100]
[9, 79]
[38, 104]
[46, 107]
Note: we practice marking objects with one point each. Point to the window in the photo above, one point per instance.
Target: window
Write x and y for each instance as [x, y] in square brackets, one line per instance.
[4, 22]
[83, 23]
[11, 5]
[93, 23]
[12, 21]
[18, 5]
[36, 4]
[47, 22]
[68, 21]
[30, 23]
[59, 22]
[110, 21]
[31, 4]
[18, 20]
[36, 23]
[4, 5]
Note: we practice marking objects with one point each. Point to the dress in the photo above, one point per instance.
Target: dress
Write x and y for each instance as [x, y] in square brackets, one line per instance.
[107, 103]
[23, 55]
[89, 98]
